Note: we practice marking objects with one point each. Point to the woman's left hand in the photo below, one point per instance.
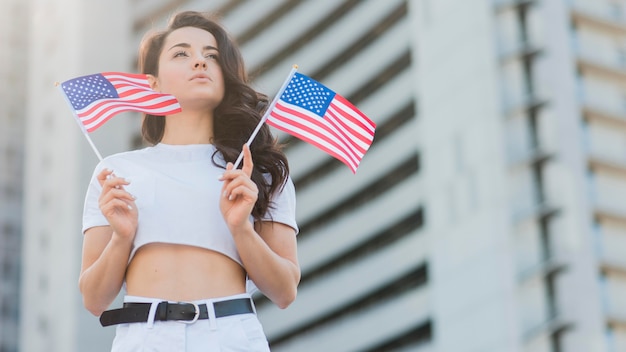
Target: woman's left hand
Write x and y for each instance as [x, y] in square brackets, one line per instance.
[239, 193]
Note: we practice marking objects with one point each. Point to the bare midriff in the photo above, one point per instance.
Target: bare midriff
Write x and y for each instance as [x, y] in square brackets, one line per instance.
[183, 273]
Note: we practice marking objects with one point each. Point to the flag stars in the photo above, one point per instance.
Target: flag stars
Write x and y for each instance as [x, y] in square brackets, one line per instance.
[82, 91]
[308, 94]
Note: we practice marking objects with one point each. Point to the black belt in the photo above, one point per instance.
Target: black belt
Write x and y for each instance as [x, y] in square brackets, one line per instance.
[185, 312]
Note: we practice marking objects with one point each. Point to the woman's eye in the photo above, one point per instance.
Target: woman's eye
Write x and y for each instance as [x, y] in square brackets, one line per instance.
[180, 53]
[212, 56]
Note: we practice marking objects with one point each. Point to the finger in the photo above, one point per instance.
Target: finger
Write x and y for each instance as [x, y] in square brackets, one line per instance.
[114, 182]
[241, 182]
[103, 175]
[116, 193]
[116, 205]
[248, 165]
[225, 175]
[243, 192]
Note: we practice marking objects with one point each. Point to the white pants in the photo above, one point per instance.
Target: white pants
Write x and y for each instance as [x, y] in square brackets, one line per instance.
[242, 332]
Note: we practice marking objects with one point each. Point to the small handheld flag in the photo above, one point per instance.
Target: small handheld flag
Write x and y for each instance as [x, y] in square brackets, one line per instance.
[96, 98]
[312, 112]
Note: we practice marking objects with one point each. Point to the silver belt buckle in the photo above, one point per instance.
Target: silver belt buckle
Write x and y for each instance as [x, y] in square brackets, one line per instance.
[195, 317]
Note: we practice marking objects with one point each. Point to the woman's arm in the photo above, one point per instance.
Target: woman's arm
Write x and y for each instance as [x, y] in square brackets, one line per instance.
[106, 249]
[270, 258]
[268, 252]
[105, 256]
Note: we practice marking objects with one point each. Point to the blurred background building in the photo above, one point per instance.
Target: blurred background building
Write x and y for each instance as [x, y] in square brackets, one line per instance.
[489, 214]
[14, 46]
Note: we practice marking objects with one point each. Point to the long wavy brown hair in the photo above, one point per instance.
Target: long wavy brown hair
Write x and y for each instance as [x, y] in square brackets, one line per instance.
[235, 118]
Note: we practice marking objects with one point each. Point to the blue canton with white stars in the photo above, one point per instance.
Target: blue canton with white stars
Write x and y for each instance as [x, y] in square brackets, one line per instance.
[84, 90]
[308, 94]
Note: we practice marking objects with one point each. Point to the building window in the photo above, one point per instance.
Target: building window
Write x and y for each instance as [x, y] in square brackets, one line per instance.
[43, 283]
[43, 324]
[621, 57]
[44, 240]
[616, 10]
[7, 268]
[7, 312]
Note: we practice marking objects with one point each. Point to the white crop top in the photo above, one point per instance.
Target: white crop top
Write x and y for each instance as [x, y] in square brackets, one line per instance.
[177, 190]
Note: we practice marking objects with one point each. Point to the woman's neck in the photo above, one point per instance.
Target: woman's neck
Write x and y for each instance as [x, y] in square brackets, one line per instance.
[188, 128]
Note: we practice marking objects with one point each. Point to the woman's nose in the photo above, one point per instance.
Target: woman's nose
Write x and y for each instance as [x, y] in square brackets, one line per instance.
[200, 61]
[200, 64]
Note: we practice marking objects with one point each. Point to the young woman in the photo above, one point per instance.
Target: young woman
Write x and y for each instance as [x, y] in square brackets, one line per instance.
[175, 224]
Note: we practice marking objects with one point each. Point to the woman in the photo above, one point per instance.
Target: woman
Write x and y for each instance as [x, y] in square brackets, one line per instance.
[186, 226]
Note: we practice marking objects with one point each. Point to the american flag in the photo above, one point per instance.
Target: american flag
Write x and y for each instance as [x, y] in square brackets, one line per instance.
[310, 111]
[98, 97]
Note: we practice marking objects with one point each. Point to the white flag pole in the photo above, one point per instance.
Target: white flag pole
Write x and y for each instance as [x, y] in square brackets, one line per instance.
[267, 112]
[80, 124]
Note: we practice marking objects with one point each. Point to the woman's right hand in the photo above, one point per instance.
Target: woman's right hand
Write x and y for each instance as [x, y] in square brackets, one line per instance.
[117, 205]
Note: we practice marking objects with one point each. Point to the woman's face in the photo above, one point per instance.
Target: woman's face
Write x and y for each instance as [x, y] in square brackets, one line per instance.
[189, 69]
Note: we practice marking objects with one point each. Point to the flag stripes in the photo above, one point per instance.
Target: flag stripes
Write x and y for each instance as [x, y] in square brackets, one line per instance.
[336, 127]
[99, 97]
